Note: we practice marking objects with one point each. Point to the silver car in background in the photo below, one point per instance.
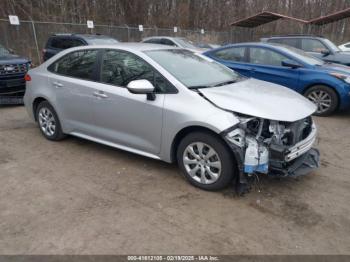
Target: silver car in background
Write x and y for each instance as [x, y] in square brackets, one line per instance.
[180, 42]
[177, 106]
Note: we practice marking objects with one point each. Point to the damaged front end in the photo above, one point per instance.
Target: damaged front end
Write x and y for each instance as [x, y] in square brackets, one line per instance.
[276, 148]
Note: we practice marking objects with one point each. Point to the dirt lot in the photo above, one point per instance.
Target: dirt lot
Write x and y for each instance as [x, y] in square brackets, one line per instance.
[79, 197]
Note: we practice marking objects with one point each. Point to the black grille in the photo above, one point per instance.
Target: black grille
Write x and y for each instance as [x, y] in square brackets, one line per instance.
[13, 69]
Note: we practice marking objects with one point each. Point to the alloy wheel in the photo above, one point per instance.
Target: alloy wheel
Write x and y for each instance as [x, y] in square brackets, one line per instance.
[202, 163]
[47, 121]
[321, 99]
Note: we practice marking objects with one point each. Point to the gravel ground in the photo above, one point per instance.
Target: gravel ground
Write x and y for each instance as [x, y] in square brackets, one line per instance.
[79, 197]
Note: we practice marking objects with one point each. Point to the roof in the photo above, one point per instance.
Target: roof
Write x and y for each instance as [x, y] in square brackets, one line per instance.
[158, 37]
[131, 46]
[82, 35]
[295, 36]
[263, 18]
[331, 18]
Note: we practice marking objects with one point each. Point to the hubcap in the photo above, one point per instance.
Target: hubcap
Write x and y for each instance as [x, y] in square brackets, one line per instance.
[321, 99]
[202, 163]
[47, 121]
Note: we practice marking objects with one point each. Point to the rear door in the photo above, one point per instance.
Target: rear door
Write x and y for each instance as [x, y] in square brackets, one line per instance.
[234, 58]
[267, 66]
[73, 80]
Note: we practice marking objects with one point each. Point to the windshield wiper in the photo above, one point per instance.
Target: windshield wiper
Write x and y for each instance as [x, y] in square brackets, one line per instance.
[224, 83]
[214, 85]
[197, 87]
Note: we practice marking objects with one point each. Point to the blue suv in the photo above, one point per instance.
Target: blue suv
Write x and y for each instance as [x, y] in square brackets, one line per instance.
[325, 84]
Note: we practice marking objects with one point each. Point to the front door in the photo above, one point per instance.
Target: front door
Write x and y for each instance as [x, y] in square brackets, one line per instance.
[124, 118]
[267, 66]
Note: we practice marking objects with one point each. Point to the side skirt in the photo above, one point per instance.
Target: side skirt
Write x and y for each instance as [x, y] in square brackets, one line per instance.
[104, 142]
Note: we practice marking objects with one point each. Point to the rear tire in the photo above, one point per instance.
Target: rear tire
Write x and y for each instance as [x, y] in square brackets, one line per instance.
[206, 161]
[324, 97]
[48, 122]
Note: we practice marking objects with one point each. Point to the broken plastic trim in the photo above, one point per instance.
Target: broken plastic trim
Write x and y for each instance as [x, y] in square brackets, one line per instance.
[301, 166]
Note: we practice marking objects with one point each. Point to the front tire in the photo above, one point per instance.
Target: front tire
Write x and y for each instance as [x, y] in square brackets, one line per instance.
[324, 97]
[206, 161]
[48, 122]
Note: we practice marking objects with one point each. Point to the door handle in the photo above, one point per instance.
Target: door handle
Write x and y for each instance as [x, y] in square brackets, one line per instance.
[100, 94]
[57, 84]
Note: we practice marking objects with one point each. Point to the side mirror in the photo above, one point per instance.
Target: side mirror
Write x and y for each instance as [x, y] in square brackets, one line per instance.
[142, 86]
[12, 52]
[325, 52]
[291, 64]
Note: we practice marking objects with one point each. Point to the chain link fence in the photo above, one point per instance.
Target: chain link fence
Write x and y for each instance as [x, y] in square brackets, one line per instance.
[29, 38]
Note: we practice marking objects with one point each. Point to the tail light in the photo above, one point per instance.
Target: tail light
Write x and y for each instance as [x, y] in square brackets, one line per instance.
[27, 78]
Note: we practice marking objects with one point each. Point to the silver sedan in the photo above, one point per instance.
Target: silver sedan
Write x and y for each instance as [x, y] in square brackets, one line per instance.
[177, 106]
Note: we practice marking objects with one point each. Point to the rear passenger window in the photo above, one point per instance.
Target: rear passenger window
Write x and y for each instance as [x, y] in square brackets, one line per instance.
[167, 42]
[79, 64]
[291, 42]
[120, 68]
[152, 41]
[285, 41]
[232, 54]
[65, 43]
[275, 41]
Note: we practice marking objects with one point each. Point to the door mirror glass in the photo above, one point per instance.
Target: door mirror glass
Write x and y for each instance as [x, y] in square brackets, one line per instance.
[325, 52]
[290, 63]
[141, 86]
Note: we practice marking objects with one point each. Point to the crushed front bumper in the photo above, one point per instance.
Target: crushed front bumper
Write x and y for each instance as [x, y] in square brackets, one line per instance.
[297, 160]
[300, 166]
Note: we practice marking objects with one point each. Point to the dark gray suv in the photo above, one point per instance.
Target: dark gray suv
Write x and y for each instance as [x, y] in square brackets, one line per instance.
[317, 46]
[58, 42]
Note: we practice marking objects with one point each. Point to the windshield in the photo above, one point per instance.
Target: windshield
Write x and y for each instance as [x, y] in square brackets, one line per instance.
[184, 43]
[301, 55]
[102, 41]
[193, 70]
[331, 45]
[4, 51]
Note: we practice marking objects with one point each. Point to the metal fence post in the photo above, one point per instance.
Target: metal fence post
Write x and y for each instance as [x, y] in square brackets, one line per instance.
[36, 41]
[128, 35]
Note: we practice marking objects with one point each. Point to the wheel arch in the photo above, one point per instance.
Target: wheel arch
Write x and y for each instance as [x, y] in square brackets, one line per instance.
[187, 130]
[323, 84]
[35, 105]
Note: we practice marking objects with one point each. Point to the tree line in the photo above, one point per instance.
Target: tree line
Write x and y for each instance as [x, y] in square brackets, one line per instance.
[186, 14]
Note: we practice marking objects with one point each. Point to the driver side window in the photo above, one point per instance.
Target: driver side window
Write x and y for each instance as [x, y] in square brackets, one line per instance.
[265, 56]
[119, 68]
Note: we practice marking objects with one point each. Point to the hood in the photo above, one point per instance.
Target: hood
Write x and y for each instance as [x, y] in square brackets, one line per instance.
[340, 57]
[12, 59]
[260, 99]
[331, 67]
